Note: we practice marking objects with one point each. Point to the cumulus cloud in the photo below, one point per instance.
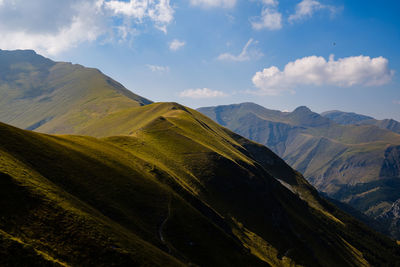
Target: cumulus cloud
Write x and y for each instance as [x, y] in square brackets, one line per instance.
[25, 24]
[202, 93]
[270, 17]
[313, 70]
[51, 27]
[245, 55]
[213, 3]
[175, 45]
[156, 68]
[306, 8]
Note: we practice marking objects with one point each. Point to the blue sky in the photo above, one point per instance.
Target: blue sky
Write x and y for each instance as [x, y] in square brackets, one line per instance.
[278, 53]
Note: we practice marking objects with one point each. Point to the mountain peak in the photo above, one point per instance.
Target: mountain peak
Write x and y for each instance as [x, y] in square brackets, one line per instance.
[302, 109]
[306, 117]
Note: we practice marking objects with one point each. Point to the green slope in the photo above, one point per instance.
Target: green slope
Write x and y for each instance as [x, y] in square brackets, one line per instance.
[337, 159]
[39, 94]
[176, 189]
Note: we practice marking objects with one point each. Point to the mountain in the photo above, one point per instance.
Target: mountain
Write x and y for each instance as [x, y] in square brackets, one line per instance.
[356, 164]
[39, 94]
[163, 185]
[346, 118]
[178, 190]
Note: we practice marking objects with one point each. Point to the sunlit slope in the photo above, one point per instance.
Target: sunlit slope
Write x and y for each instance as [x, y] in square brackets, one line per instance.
[39, 94]
[172, 187]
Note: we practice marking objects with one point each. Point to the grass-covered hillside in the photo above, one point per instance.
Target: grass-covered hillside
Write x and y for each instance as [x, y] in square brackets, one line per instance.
[39, 94]
[177, 189]
[351, 163]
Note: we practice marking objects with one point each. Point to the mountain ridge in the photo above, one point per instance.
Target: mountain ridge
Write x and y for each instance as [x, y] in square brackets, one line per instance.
[39, 94]
[347, 118]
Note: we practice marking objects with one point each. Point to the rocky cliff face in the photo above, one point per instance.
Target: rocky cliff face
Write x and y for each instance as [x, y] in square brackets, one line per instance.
[391, 163]
[391, 219]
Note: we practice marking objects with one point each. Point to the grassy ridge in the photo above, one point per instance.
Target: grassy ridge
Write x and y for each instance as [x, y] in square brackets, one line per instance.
[106, 210]
[175, 189]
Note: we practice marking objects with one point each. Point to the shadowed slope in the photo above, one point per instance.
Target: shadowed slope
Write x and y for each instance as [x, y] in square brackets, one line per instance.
[337, 159]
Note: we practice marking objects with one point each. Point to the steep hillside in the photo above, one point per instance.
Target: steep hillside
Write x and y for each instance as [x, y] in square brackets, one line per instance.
[346, 118]
[39, 94]
[175, 189]
[337, 159]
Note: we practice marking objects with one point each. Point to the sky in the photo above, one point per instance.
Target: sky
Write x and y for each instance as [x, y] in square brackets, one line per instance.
[281, 54]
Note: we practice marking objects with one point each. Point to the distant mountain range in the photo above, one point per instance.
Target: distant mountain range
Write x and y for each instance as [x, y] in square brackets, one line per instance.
[350, 157]
[347, 118]
[153, 184]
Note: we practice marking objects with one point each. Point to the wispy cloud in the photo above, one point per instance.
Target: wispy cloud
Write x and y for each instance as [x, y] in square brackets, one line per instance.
[201, 93]
[270, 2]
[270, 17]
[306, 8]
[313, 70]
[245, 55]
[156, 68]
[175, 45]
[213, 3]
[397, 102]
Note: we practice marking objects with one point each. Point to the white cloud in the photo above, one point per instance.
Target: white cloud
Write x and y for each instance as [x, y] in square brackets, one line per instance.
[156, 68]
[213, 3]
[397, 102]
[201, 93]
[245, 55]
[306, 8]
[270, 19]
[51, 27]
[313, 70]
[160, 12]
[175, 45]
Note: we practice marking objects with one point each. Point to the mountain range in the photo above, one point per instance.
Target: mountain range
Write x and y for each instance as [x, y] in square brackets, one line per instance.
[350, 157]
[109, 178]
